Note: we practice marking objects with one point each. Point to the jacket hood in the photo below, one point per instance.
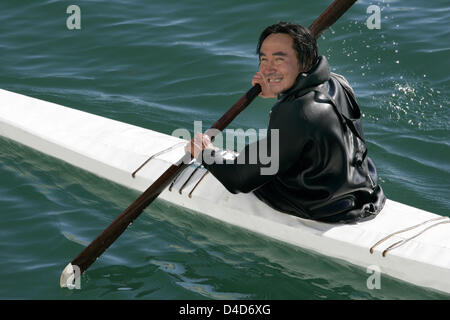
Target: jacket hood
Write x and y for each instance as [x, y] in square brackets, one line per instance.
[318, 74]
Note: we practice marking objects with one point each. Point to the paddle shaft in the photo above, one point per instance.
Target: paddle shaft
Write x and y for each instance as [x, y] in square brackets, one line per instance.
[120, 224]
[330, 16]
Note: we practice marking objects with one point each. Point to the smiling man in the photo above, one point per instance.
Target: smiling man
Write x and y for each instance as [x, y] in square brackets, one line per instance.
[279, 63]
[324, 171]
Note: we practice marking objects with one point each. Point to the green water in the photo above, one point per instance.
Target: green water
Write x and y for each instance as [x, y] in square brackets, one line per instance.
[162, 65]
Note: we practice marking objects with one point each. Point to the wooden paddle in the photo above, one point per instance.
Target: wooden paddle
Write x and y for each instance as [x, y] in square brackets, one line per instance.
[88, 256]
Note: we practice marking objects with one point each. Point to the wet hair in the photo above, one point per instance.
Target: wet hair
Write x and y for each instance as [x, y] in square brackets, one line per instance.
[304, 42]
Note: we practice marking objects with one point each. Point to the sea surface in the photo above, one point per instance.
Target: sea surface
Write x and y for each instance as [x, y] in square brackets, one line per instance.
[164, 64]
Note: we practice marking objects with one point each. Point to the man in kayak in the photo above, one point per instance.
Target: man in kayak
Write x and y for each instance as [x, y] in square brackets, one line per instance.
[324, 172]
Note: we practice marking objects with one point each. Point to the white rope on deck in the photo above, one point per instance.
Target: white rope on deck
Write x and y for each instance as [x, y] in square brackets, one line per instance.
[402, 242]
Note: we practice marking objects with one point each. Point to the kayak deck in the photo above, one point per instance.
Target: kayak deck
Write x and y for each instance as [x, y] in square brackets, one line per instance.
[114, 150]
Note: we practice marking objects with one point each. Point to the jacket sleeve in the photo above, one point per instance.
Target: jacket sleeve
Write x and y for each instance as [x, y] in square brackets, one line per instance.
[261, 161]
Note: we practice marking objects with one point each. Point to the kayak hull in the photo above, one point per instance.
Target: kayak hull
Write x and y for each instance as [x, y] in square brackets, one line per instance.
[114, 150]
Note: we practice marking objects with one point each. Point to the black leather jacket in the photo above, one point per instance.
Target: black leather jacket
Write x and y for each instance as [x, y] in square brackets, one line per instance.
[324, 172]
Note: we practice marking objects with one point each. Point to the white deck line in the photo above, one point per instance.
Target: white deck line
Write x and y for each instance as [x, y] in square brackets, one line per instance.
[113, 150]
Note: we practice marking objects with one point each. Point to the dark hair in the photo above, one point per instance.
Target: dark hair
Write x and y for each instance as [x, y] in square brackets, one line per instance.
[304, 42]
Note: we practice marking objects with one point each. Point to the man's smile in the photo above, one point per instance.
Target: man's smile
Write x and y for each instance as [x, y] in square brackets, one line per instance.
[271, 78]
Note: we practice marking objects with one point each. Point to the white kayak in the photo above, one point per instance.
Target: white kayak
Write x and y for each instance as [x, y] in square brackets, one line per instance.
[402, 241]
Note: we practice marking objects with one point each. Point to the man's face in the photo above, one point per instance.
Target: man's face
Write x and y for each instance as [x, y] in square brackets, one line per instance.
[278, 62]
